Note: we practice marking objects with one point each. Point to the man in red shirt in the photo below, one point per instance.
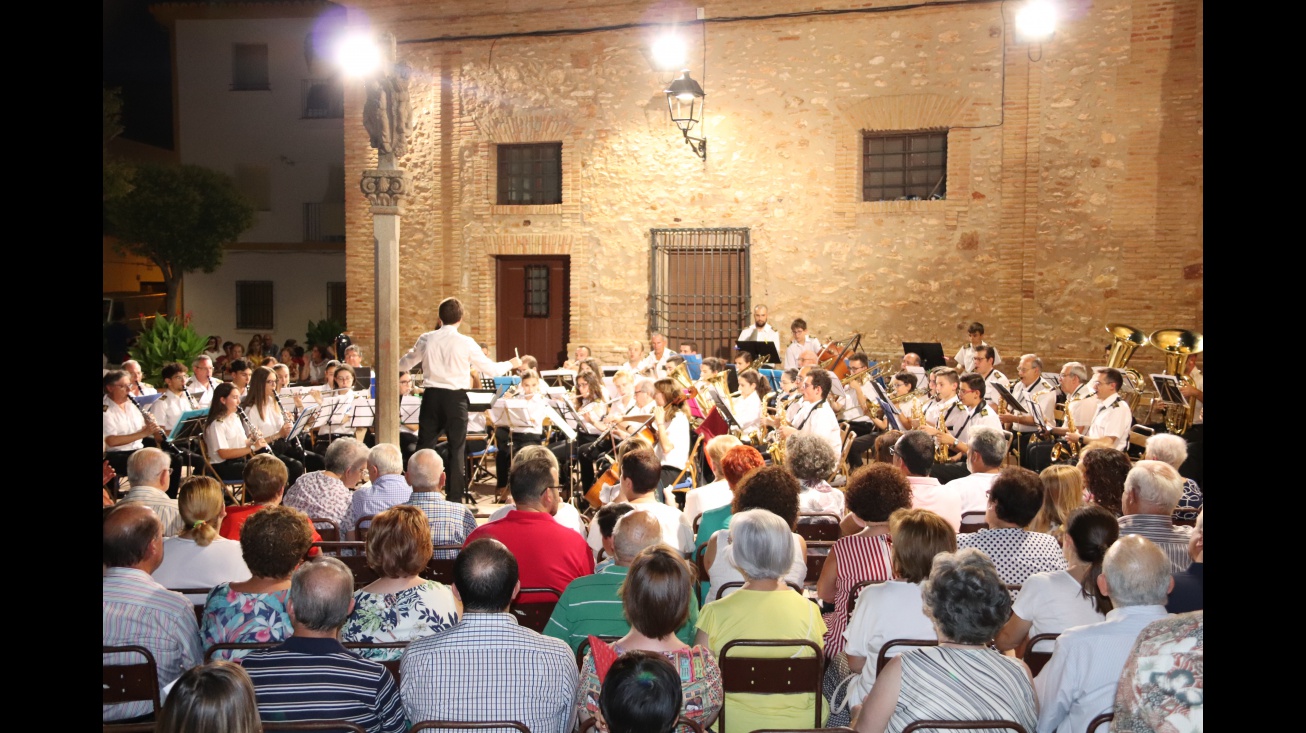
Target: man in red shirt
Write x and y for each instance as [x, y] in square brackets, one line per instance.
[265, 481]
[548, 554]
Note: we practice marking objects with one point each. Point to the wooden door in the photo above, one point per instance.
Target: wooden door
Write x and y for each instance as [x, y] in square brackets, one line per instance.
[533, 302]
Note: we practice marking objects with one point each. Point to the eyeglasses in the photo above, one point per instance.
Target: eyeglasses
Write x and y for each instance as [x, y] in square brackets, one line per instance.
[893, 450]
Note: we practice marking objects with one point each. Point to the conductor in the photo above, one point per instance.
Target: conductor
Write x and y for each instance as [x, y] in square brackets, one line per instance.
[447, 358]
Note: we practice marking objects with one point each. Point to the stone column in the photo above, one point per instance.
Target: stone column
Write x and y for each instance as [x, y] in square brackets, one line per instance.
[384, 190]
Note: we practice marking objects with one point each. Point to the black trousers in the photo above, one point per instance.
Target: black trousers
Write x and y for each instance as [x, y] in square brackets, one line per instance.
[666, 481]
[308, 460]
[445, 411]
[865, 440]
[503, 459]
[946, 472]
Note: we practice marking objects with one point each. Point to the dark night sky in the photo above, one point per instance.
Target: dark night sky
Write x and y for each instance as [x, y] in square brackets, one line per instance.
[136, 58]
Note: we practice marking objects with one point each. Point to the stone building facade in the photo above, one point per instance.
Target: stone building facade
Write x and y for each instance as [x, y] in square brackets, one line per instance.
[1074, 167]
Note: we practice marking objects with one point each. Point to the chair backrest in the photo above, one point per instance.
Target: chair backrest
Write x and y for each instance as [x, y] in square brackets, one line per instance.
[916, 725]
[681, 722]
[333, 549]
[778, 675]
[363, 524]
[237, 486]
[236, 645]
[1036, 659]
[720, 592]
[131, 681]
[327, 529]
[818, 531]
[691, 466]
[479, 725]
[882, 658]
[585, 646]
[129, 728]
[973, 522]
[816, 560]
[331, 725]
[853, 594]
[364, 574]
[1099, 720]
[1138, 435]
[697, 521]
[390, 664]
[535, 615]
[199, 606]
[440, 569]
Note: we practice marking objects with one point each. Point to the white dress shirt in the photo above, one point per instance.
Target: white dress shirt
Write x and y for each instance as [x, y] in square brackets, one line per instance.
[678, 456]
[122, 419]
[531, 409]
[707, 496]
[203, 393]
[816, 418]
[965, 357]
[991, 395]
[1082, 404]
[447, 358]
[225, 433]
[796, 350]
[1111, 418]
[270, 423]
[765, 333]
[748, 411]
[1038, 394]
[974, 491]
[981, 416]
[659, 363]
[168, 409]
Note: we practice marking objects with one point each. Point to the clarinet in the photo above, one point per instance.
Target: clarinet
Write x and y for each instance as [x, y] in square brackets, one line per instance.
[149, 420]
[253, 432]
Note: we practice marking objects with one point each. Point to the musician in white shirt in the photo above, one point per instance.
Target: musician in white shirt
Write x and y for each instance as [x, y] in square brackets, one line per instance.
[525, 423]
[138, 388]
[273, 423]
[202, 384]
[634, 356]
[175, 400]
[760, 330]
[964, 361]
[975, 412]
[671, 424]
[814, 415]
[1040, 403]
[1112, 419]
[447, 358]
[225, 439]
[803, 341]
[747, 407]
[657, 358]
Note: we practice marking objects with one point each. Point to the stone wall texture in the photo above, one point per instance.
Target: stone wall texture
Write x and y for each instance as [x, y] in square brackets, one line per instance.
[1074, 188]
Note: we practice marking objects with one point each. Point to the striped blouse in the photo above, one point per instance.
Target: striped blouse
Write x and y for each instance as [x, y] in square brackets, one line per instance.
[858, 558]
[952, 683]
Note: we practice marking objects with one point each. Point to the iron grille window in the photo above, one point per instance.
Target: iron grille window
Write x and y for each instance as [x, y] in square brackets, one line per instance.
[249, 66]
[911, 165]
[530, 174]
[336, 302]
[254, 304]
[537, 291]
[699, 283]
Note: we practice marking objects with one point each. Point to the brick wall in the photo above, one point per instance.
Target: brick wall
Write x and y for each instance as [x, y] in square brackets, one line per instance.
[1074, 174]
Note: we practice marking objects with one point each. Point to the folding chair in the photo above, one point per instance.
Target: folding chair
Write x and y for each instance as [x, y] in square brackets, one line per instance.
[131, 681]
[853, 594]
[779, 675]
[681, 484]
[390, 664]
[237, 486]
[334, 549]
[235, 646]
[846, 438]
[1036, 660]
[327, 529]
[199, 606]
[973, 522]
[478, 725]
[363, 573]
[476, 470]
[1099, 720]
[585, 646]
[1011, 443]
[535, 615]
[816, 560]
[818, 531]
[882, 658]
[720, 592]
[440, 569]
[916, 725]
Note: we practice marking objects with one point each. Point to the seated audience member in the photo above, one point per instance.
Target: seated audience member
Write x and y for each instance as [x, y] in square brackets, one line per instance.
[1014, 498]
[137, 609]
[1063, 493]
[640, 472]
[961, 678]
[1050, 603]
[812, 465]
[890, 610]
[735, 465]
[874, 493]
[775, 490]
[487, 667]
[1173, 449]
[765, 608]
[1079, 681]
[641, 694]
[199, 557]
[1160, 688]
[273, 542]
[717, 493]
[1187, 593]
[591, 604]
[984, 459]
[1104, 471]
[657, 599]
[326, 494]
[400, 605]
[213, 697]
[148, 470]
[385, 464]
[606, 519]
[565, 515]
[550, 555]
[450, 522]
[884, 446]
[311, 676]
[913, 454]
[1152, 490]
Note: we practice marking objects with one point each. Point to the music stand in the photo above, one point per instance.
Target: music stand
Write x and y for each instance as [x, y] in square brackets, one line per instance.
[565, 378]
[889, 410]
[308, 416]
[364, 415]
[190, 426]
[1009, 398]
[1167, 386]
[694, 364]
[410, 410]
[760, 348]
[362, 378]
[480, 400]
[608, 371]
[772, 376]
[721, 408]
[931, 353]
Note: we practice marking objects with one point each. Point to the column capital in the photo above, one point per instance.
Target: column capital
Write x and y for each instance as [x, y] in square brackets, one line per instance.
[384, 190]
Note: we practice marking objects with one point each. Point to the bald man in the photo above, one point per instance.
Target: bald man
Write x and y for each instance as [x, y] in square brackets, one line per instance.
[592, 603]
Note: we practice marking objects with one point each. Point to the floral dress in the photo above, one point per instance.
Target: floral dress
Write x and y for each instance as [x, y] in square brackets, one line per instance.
[409, 614]
[230, 616]
[700, 681]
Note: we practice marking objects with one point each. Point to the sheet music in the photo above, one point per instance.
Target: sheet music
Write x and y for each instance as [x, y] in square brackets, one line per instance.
[146, 400]
[559, 422]
[410, 408]
[178, 428]
[364, 413]
[334, 410]
[478, 401]
[1167, 386]
[308, 417]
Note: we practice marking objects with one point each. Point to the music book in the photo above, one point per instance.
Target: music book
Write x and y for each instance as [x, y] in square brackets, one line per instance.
[307, 418]
[1009, 398]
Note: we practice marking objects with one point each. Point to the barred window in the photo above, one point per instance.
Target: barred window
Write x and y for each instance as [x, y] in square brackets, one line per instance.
[336, 302]
[700, 287]
[249, 67]
[530, 174]
[909, 165]
[254, 304]
[537, 291]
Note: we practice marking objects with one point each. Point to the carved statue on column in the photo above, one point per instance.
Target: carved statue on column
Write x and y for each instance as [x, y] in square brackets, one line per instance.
[387, 115]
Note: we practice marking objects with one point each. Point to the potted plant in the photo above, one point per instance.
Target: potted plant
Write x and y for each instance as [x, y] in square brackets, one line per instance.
[163, 341]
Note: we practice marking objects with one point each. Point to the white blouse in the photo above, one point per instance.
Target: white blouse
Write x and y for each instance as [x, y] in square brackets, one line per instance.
[678, 456]
[225, 433]
[748, 411]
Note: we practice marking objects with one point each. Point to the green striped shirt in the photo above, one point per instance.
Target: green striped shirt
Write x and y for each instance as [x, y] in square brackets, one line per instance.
[590, 605]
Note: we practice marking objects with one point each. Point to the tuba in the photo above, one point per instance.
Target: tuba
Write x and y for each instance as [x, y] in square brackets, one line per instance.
[680, 375]
[1124, 340]
[1178, 345]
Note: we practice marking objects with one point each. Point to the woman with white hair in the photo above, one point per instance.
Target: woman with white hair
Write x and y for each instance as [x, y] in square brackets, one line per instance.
[765, 608]
[1173, 449]
[811, 460]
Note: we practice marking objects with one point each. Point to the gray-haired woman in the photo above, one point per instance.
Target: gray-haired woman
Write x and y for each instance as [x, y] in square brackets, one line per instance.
[1173, 449]
[811, 460]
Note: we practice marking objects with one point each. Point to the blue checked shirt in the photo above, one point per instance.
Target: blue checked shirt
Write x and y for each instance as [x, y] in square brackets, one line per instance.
[450, 522]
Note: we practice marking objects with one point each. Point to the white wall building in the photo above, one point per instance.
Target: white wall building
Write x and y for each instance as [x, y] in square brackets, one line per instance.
[256, 98]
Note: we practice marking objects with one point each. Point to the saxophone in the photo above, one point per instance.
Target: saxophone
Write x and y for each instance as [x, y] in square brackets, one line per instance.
[777, 439]
[1067, 448]
[941, 450]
